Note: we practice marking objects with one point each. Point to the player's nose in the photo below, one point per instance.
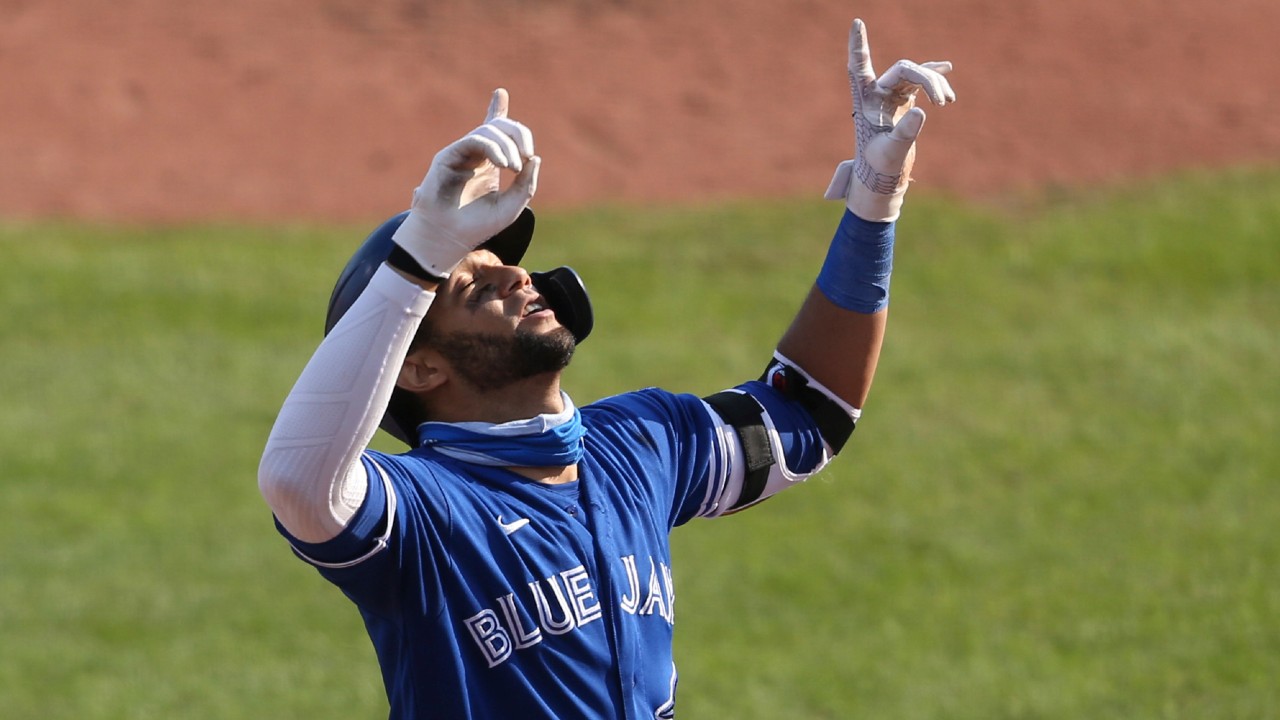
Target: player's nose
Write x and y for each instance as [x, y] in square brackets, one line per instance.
[513, 278]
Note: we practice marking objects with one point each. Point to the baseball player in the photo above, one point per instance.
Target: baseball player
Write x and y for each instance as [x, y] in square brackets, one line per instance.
[515, 562]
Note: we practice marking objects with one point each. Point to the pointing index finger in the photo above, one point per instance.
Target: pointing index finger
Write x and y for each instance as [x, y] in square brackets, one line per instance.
[497, 105]
[860, 54]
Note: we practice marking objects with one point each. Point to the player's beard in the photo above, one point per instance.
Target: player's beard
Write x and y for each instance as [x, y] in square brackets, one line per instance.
[493, 362]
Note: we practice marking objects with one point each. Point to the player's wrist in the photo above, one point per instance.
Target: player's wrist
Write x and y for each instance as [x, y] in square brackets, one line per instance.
[855, 275]
[427, 250]
[876, 207]
[401, 261]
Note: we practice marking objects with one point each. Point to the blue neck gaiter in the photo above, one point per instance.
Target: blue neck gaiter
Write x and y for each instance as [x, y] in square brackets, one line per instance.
[547, 440]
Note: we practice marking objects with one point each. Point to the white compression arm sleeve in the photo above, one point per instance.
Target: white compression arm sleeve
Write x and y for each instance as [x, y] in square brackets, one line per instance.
[310, 473]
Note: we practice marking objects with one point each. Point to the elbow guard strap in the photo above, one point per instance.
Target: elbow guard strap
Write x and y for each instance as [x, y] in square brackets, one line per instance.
[746, 417]
[834, 422]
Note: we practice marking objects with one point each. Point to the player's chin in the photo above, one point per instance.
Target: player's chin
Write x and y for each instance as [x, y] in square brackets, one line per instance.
[557, 335]
[545, 324]
[544, 350]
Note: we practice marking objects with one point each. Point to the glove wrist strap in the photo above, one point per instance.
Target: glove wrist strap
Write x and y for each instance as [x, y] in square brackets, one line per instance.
[874, 207]
[401, 260]
[873, 195]
[434, 254]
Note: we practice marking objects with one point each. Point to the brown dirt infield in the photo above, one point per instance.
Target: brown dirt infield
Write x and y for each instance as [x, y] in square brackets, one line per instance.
[154, 110]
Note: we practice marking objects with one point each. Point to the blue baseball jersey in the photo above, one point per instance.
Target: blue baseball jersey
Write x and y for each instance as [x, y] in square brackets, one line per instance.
[492, 596]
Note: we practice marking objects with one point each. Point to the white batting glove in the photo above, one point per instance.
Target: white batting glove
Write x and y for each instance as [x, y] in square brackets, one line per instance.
[886, 124]
[459, 204]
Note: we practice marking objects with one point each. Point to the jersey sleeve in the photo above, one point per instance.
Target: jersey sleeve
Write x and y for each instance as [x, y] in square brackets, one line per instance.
[667, 440]
[692, 459]
[775, 444]
[388, 544]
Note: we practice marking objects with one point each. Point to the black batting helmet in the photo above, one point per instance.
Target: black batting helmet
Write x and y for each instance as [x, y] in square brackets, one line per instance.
[562, 288]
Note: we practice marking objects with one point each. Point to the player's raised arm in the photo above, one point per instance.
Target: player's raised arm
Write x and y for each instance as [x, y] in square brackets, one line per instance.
[310, 473]
[784, 430]
[837, 334]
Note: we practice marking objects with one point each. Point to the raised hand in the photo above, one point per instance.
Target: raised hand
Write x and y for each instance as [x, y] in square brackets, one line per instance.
[886, 125]
[460, 203]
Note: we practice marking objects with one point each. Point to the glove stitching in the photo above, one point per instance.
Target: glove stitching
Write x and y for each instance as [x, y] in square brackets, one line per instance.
[878, 182]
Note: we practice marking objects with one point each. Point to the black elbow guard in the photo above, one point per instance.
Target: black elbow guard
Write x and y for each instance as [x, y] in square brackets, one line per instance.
[834, 422]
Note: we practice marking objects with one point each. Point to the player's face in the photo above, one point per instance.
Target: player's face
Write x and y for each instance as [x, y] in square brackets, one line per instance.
[483, 295]
[494, 327]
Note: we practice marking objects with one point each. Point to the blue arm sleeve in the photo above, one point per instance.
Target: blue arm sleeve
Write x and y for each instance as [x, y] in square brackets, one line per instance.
[855, 275]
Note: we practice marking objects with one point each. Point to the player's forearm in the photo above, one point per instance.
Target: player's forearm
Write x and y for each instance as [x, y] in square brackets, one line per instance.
[837, 335]
[838, 347]
[310, 473]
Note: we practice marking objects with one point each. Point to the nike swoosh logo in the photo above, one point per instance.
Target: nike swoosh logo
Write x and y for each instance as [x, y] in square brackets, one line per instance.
[514, 525]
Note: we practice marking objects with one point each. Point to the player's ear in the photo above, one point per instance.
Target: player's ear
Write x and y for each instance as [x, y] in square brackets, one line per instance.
[423, 370]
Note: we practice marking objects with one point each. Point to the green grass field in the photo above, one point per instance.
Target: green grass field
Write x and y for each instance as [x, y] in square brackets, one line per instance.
[1061, 503]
